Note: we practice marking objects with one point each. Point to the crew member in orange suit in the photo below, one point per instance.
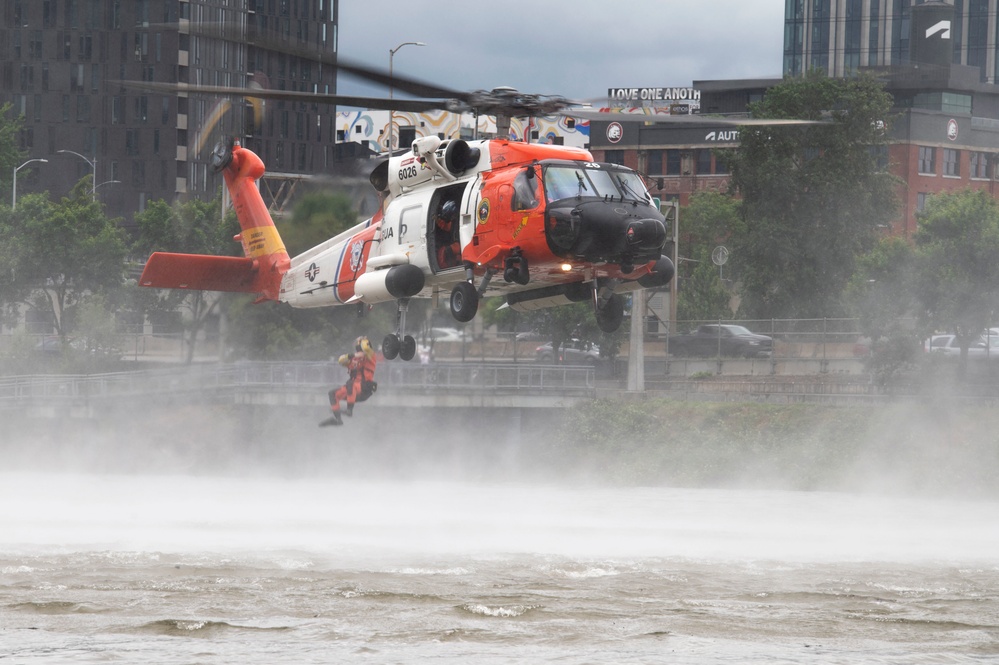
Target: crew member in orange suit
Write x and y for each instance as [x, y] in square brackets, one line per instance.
[360, 383]
[448, 249]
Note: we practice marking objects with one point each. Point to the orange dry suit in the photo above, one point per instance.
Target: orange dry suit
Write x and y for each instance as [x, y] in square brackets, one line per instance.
[360, 383]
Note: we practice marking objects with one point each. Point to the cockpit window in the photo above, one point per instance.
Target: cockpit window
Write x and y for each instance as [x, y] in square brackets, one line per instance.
[524, 197]
[565, 181]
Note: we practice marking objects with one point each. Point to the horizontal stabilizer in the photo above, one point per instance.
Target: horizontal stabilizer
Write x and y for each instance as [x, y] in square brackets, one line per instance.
[199, 272]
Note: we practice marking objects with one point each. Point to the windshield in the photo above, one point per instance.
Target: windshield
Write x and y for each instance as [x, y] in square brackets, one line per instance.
[739, 330]
[564, 181]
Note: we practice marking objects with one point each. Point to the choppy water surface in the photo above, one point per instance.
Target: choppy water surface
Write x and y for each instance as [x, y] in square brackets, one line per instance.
[208, 570]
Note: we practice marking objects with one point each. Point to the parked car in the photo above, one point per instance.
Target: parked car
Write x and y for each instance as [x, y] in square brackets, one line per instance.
[725, 339]
[571, 352]
[946, 345]
[446, 335]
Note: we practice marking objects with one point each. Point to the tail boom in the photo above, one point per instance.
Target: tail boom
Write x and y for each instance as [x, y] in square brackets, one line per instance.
[265, 259]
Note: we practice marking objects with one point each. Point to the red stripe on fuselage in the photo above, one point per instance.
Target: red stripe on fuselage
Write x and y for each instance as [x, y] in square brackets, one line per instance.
[353, 260]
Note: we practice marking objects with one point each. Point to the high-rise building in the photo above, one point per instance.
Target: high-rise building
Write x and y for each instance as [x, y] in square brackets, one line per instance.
[62, 64]
[842, 36]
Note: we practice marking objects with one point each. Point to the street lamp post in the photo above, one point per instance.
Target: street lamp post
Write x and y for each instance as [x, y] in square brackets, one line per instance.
[93, 165]
[107, 182]
[391, 112]
[13, 200]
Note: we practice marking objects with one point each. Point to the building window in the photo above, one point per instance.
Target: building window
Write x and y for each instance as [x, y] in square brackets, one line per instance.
[131, 142]
[614, 156]
[721, 165]
[703, 162]
[141, 109]
[927, 160]
[952, 163]
[921, 198]
[654, 163]
[979, 165]
[673, 162]
[83, 108]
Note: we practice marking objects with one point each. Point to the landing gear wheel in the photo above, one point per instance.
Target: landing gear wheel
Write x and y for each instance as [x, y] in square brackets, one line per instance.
[391, 347]
[407, 350]
[464, 302]
[610, 316]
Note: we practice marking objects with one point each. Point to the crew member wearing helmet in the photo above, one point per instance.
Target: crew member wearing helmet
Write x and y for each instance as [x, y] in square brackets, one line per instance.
[446, 235]
[360, 383]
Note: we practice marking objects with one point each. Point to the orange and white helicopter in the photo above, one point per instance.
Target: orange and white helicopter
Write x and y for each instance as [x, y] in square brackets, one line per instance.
[540, 225]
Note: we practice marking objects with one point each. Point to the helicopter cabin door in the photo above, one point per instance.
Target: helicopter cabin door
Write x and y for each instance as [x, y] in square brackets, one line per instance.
[443, 229]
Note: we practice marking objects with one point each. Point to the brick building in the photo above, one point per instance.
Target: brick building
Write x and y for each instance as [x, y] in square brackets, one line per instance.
[936, 142]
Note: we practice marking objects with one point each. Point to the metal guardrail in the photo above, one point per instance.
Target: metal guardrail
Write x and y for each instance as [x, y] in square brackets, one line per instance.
[208, 381]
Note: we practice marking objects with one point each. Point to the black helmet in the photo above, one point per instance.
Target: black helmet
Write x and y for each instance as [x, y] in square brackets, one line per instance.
[449, 211]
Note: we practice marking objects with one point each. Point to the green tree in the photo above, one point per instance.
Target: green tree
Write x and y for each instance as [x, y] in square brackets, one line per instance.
[957, 264]
[316, 218]
[11, 156]
[195, 227]
[704, 224]
[60, 253]
[813, 197]
[881, 296]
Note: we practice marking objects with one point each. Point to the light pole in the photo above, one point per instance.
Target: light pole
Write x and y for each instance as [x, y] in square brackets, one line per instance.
[108, 182]
[93, 165]
[391, 112]
[13, 200]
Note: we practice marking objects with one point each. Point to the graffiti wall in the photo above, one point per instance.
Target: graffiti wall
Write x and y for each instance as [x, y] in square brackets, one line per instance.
[372, 127]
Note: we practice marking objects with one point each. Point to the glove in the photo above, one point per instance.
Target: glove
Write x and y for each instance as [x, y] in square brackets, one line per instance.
[344, 360]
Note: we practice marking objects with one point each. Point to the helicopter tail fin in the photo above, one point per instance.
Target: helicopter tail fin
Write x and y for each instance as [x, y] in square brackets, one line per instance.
[265, 258]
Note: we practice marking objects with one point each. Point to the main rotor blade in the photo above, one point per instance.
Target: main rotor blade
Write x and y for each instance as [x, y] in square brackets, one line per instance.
[413, 105]
[251, 37]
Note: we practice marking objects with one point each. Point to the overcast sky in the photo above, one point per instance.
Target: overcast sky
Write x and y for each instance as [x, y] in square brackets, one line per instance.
[576, 49]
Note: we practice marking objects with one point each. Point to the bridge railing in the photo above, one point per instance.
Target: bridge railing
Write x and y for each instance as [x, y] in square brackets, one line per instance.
[278, 376]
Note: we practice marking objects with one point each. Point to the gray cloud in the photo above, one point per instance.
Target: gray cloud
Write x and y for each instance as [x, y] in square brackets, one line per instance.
[579, 51]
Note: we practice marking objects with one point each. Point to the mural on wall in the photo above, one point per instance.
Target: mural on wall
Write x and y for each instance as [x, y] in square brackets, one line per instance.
[371, 127]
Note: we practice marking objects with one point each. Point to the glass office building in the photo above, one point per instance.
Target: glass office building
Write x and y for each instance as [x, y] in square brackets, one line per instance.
[842, 36]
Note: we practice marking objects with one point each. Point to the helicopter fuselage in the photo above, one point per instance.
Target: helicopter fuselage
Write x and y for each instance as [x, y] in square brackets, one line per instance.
[549, 211]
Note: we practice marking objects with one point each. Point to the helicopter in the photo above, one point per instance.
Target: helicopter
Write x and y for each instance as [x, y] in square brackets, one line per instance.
[539, 225]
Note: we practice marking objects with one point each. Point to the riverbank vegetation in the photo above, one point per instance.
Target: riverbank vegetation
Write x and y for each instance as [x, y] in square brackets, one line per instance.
[897, 448]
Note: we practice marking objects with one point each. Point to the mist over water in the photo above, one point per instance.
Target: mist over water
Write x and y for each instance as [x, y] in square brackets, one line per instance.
[203, 543]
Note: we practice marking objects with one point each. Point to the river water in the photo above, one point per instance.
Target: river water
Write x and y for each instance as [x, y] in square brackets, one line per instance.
[186, 569]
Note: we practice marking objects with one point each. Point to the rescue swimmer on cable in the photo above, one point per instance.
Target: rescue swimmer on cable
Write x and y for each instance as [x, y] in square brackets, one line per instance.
[360, 383]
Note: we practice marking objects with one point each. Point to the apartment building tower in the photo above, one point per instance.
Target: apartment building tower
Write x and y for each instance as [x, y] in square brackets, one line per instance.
[62, 67]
